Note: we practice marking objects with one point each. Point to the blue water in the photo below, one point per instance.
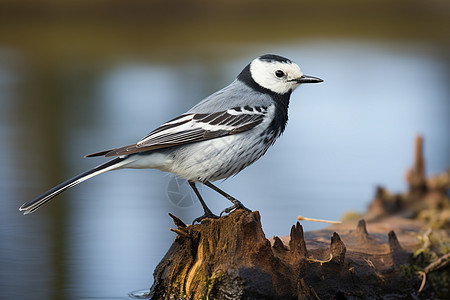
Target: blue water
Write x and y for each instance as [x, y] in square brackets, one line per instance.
[103, 238]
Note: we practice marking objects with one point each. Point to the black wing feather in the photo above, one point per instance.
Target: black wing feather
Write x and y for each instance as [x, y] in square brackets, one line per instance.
[190, 128]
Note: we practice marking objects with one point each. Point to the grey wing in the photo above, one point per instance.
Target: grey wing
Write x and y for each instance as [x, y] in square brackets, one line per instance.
[195, 127]
[232, 96]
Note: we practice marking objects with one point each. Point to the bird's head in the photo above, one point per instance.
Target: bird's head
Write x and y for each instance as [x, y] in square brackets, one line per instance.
[278, 74]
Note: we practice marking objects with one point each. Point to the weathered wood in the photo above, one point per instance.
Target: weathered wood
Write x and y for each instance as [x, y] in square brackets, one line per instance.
[230, 258]
[226, 257]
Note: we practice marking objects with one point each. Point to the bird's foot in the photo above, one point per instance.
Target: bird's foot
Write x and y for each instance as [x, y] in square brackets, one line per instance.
[206, 215]
[236, 205]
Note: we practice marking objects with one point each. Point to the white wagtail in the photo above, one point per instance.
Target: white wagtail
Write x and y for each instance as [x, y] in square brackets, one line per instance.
[215, 139]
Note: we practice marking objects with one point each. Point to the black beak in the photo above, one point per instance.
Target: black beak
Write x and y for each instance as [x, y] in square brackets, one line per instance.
[308, 79]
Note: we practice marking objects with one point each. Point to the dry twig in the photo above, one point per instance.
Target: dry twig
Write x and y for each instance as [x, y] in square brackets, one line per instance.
[300, 218]
[321, 261]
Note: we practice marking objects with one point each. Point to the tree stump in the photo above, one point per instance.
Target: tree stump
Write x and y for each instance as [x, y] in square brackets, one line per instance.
[230, 258]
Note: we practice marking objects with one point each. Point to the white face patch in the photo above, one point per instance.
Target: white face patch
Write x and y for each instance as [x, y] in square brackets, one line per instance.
[267, 74]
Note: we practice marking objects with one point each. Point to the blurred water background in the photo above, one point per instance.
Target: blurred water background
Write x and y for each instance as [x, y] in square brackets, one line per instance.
[78, 77]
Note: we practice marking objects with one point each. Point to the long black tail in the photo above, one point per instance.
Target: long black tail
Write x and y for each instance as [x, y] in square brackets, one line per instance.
[34, 204]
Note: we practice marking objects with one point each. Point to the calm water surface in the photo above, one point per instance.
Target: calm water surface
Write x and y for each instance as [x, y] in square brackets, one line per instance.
[103, 238]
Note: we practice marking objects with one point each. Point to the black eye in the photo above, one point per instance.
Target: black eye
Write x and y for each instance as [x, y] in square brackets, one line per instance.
[279, 73]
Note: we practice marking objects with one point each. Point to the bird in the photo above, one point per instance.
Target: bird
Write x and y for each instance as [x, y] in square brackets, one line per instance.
[216, 139]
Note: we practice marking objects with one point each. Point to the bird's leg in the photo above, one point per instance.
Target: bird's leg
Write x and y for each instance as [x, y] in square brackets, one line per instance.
[207, 211]
[236, 203]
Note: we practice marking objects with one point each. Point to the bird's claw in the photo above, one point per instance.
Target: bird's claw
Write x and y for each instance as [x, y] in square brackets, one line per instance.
[237, 205]
[205, 216]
